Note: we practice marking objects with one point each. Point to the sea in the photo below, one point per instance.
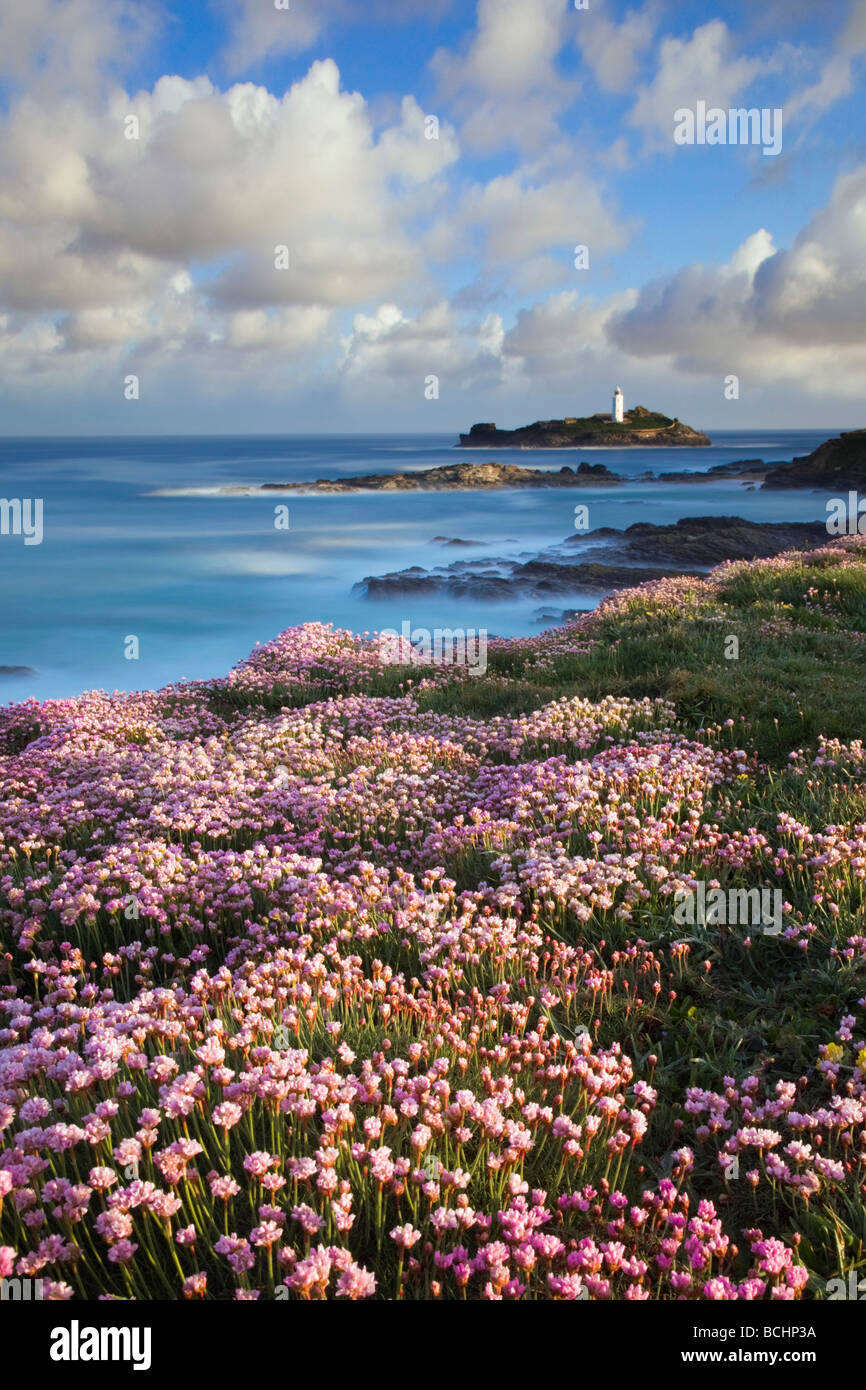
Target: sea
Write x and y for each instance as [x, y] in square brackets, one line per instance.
[199, 578]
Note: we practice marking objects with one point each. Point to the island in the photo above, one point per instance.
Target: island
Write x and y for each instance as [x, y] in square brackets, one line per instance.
[449, 477]
[632, 429]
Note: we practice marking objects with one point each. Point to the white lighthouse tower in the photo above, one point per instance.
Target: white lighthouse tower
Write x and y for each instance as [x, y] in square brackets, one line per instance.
[616, 413]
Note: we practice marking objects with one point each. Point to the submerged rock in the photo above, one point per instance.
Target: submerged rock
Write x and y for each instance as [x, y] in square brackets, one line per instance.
[454, 542]
[624, 558]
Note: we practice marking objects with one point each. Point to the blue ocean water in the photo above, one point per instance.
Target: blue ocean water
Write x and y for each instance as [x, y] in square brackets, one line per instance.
[200, 579]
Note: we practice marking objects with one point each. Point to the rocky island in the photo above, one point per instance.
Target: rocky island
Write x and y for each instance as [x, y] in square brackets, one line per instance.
[449, 477]
[632, 429]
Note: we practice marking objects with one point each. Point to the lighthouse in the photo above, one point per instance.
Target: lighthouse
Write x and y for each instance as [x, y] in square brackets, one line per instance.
[616, 413]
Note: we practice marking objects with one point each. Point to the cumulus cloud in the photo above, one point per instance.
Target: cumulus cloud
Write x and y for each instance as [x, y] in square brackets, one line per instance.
[163, 249]
[286, 330]
[696, 314]
[504, 82]
[523, 228]
[703, 67]
[564, 338]
[258, 30]
[553, 331]
[816, 292]
[520, 217]
[53, 46]
[781, 314]
[391, 350]
[171, 238]
[391, 342]
[613, 51]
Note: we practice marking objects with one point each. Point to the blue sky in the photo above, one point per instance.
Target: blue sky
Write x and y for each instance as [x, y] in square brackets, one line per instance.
[411, 258]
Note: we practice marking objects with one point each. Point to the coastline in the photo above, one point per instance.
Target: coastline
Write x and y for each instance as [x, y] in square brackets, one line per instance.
[207, 575]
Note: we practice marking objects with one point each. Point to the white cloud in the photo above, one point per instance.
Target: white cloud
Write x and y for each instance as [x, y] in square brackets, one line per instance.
[613, 50]
[560, 336]
[54, 45]
[286, 330]
[168, 242]
[390, 342]
[390, 351]
[411, 153]
[520, 218]
[703, 67]
[836, 77]
[752, 253]
[259, 31]
[504, 83]
[781, 315]
[834, 82]
[512, 51]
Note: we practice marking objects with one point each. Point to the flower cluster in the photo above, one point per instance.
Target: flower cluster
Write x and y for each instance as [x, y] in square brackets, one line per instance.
[310, 989]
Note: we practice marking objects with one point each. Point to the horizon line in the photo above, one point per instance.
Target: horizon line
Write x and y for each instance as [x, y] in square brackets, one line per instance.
[395, 434]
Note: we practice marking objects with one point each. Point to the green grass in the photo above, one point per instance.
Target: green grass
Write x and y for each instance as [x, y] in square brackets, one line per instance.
[789, 686]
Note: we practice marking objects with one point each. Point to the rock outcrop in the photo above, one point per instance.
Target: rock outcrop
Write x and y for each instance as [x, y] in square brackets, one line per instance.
[625, 558]
[451, 477]
[706, 540]
[837, 464]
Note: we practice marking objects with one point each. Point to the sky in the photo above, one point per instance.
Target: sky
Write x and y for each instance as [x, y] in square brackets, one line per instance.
[365, 215]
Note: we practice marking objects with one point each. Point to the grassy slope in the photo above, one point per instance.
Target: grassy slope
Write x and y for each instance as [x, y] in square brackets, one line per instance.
[801, 673]
[589, 424]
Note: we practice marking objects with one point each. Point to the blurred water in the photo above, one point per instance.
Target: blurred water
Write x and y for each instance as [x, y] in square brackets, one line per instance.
[200, 579]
